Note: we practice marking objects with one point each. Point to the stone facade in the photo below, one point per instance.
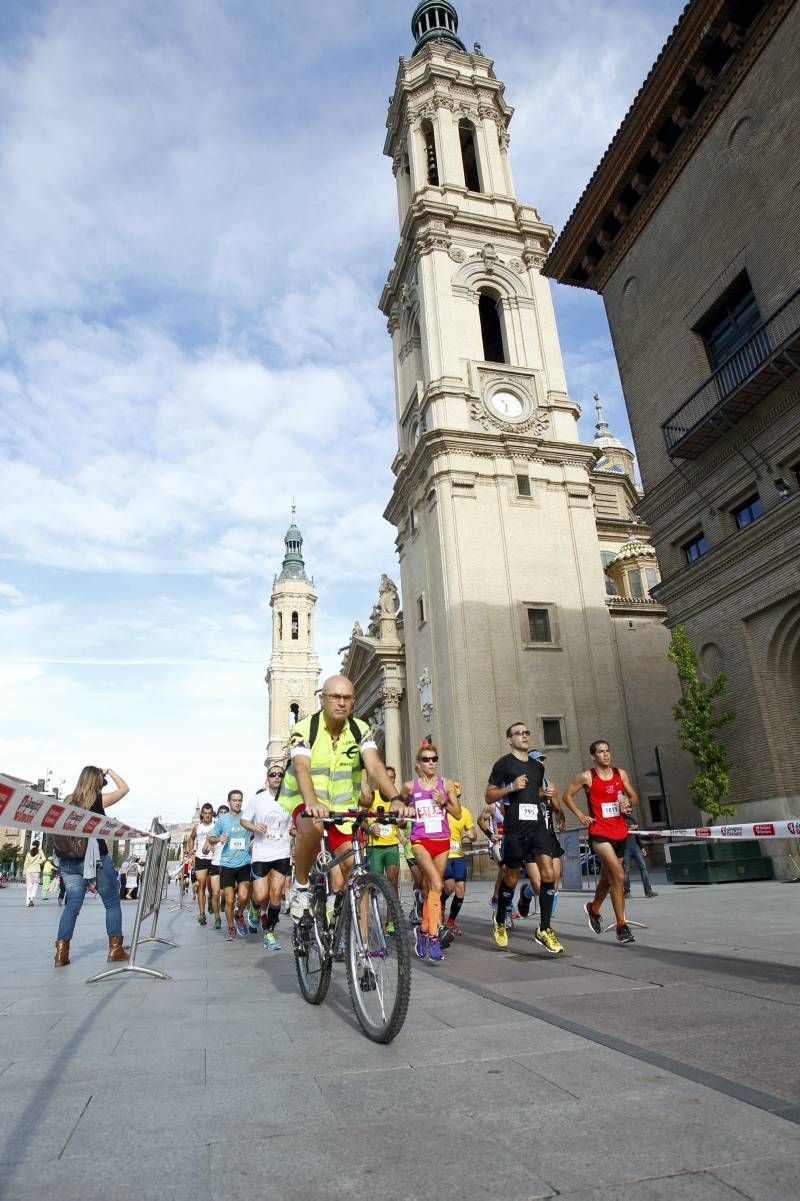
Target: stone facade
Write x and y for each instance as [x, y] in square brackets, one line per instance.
[293, 672]
[715, 252]
[496, 499]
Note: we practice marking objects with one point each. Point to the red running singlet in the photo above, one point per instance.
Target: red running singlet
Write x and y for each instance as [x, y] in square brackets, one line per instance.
[604, 807]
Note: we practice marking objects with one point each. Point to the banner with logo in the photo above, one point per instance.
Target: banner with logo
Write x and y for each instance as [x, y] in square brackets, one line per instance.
[22, 807]
[783, 829]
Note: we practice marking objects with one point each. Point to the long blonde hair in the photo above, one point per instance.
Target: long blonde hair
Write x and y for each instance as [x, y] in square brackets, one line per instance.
[90, 782]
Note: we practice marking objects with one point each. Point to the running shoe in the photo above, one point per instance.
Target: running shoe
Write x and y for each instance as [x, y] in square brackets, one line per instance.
[434, 950]
[453, 925]
[446, 937]
[241, 929]
[499, 933]
[231, 935]
[270, 942]
[523, 906]
[624, 933]
[594, 918]
[548, 940]
[298, 901]
[201, 917]
[515, 915]
[421, 944]
[651, 893]
[217, 923]
[366, 979]
[252, 920]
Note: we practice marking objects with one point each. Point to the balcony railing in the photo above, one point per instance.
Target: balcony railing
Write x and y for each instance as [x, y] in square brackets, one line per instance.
[738, 384]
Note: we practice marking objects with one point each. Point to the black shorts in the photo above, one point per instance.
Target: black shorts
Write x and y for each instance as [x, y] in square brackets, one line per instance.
[518, 849]
[202, 865]
[617, 843]
[259, 870]
[229, 877]
[213, 869]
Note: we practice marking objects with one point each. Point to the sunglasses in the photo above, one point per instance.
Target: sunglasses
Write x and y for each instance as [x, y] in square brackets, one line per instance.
[520, 733]
[429, 758]
[275, 775]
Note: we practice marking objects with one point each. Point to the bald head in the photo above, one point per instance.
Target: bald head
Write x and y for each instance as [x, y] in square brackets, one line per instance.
[338, 697]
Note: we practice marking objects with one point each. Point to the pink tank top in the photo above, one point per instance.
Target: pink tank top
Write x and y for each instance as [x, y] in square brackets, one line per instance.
[431, 819]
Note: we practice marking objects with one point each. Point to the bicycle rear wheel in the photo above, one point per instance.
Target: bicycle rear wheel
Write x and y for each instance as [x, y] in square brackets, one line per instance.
[312, 963]
[378, 960]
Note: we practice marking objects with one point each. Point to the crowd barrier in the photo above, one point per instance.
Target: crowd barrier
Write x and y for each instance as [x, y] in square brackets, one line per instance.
[782, 829]
[23, 808]
[151, 893]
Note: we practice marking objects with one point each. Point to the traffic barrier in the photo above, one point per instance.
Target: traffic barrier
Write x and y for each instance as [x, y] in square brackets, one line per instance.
[22, 807]
[151, 891]
[781, 829]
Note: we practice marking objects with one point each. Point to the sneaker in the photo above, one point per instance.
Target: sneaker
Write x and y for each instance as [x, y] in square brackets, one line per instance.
[627, 892]
[201, 917]
[270, 942]
[524, 906]
[499, 933]
[548, 940]
[29, 904]
[515, 915]
[594, 918]
[624, 933]
[241, 929]
[217, 923]
[446, 937]
[298, 901]
[651, 893]
[454, 926]
[421, 944]
[231, 935]
[434, 950]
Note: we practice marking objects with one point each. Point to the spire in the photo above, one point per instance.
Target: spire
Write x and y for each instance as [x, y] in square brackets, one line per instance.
[602, 434]
[436, 21]
[294, 567]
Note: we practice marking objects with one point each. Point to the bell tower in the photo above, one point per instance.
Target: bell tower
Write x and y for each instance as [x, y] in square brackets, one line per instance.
[293, 670]
[503, 589]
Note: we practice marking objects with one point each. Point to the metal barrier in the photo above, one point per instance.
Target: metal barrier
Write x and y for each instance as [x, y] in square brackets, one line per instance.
[151, 891]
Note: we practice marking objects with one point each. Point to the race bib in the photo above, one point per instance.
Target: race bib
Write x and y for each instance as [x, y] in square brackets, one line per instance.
[433, 825]
[529, 813]
[455, 845]
[384, 831]
[610, 809]
[236, 844]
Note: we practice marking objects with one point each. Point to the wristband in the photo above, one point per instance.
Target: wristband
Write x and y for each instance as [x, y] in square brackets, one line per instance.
[396, 799]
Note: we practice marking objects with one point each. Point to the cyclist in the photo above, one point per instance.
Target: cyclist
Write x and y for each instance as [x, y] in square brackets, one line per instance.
[455, 876]
[328, 752]
[433, 799]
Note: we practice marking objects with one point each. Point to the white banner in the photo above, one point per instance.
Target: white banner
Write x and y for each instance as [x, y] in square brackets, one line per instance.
[783, 829]
[24, 808]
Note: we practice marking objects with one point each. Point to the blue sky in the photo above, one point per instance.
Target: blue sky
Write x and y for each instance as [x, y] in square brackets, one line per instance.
[197, 222]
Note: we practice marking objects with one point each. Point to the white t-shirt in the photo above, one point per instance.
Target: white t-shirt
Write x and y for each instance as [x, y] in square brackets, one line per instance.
[264, 809]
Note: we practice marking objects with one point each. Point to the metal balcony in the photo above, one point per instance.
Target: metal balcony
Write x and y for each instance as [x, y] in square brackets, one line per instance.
[769, 356]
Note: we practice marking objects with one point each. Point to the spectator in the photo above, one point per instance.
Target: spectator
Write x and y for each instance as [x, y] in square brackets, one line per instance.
[47, 875]
[32, 869]
[635, 850]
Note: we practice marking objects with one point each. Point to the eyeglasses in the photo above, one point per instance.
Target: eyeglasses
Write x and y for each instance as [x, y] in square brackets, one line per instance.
[520, 733]
[275, 775]
[339, 696]
[429, 758]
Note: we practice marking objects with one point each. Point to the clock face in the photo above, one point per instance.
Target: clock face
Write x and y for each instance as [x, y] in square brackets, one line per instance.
[506, 404]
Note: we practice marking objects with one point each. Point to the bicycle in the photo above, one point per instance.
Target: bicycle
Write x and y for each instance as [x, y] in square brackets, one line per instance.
[377, 961]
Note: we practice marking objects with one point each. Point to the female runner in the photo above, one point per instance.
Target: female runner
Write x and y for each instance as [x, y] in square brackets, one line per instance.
[432, 798]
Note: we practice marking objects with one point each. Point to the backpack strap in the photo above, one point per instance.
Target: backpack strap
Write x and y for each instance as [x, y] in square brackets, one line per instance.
[313, 729]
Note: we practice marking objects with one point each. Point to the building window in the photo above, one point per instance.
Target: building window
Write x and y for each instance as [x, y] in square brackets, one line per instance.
[295, 626]
[539, 625]
[552, 731]
[694, 549]
[725, 330]
[796, 472]
[412, 520]
[294, 713]
[431, 162]
[523, 485]
[421, 609]
[606, 557]
[635, 584]
[651, 576]
[469, 156]
[659, 813]
[491, 328]
[748, 511]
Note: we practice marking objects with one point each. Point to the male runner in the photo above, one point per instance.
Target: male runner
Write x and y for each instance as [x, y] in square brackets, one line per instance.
[610, 795]
[234, 875]
[269, 854]
[517, 780]
[328, 752]
[455, 875]
[197, 840]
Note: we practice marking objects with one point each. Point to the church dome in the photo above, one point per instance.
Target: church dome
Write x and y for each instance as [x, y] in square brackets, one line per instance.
[436, 21]
[633, 549]
[293, 567]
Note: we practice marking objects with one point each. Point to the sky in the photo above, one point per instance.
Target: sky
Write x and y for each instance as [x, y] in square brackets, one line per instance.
[197, 221]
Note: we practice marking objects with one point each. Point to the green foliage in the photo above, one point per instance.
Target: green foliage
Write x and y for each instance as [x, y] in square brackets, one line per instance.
[698, 719]
[8, 854]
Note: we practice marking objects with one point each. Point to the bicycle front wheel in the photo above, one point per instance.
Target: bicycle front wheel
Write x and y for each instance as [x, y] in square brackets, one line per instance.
[312, 962]
[378, 959]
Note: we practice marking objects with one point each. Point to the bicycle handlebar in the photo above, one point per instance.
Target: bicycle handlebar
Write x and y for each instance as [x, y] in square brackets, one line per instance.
[359, 816]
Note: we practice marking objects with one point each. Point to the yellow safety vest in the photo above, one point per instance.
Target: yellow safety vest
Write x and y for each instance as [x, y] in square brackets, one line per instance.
[335, 770]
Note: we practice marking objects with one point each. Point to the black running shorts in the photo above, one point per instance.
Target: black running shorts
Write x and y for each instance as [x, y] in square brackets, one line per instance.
[229, 877]
[617, 843]
[259, 870]
[519, 849]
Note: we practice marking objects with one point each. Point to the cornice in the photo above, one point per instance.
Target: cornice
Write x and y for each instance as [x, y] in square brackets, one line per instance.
[604, 225]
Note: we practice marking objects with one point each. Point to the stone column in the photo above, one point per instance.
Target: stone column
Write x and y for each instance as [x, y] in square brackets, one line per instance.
[391, 727]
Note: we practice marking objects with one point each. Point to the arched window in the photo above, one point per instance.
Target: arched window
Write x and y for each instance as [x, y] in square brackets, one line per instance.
[295, 625]
[491, 328]
[294, 713]
[431, 162]
[469, 155]
[280, 626]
